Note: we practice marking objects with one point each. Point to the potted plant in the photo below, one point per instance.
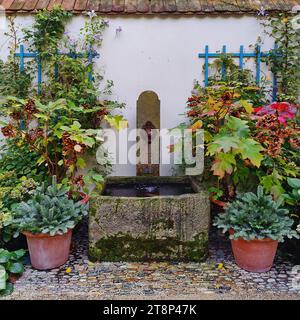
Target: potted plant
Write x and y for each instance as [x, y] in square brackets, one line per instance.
[47, 220]
[256, 224]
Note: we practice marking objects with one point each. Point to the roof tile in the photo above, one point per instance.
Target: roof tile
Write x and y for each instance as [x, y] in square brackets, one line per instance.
[6, 3]
[170, 5]
[80, 5]
[105, 6]
[152, 6]
[130, 6]
[30, 5]
[93, 5]
[42, 4]
[68, 4]
[143, 6]
[54, 3]
[157, 6]
[17, 5]
[118, 6]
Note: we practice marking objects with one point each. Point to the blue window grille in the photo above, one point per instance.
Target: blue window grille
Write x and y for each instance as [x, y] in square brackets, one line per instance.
[241, 55]
[91, 54]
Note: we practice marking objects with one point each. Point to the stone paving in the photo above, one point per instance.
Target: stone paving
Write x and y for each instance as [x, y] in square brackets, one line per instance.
[217, 278]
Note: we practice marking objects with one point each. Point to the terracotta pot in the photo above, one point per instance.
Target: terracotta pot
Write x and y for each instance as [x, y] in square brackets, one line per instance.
[48, 252]
[254, 255]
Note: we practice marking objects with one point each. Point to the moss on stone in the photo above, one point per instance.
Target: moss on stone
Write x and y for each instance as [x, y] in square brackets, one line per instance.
[197, 249]
[171, 228]
[93, 211]
[125, 247]
[95, 254]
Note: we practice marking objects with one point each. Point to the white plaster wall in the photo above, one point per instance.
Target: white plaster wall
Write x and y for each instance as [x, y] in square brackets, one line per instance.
[161, 54]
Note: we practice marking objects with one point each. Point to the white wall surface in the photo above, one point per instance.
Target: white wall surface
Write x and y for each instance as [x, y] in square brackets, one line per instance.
[161, 54]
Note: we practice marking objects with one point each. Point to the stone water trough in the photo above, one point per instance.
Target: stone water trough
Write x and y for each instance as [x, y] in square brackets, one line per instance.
[150, 219]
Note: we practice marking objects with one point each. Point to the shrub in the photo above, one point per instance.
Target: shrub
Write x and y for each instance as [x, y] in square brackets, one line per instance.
[48, 211]
[256, 216]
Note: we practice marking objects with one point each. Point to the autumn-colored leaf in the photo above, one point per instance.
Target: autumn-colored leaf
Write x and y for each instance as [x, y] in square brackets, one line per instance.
[224, 163]
[197, 125]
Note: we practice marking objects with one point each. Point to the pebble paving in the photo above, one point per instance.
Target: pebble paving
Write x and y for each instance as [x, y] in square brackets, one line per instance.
[216, 278]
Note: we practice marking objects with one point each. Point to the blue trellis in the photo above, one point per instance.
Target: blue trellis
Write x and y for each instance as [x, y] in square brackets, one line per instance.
[91, 54]
[241, 55]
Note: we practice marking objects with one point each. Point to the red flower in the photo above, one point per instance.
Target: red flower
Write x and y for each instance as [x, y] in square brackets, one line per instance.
[281, 106]
[256, 110]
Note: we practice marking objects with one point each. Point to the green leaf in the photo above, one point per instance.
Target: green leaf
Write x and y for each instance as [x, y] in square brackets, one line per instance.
[16, 268]
[98, 177]
[222, 143]
[8, 290]
[117, 122]
[41, 160]
[89, 141]
[18, 254]
[4, 256]
[294, 183]
[240, 127]
[81, 163]
[251, 149]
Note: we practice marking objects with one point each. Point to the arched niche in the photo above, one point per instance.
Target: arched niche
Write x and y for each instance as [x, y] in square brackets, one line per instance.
[148, 118]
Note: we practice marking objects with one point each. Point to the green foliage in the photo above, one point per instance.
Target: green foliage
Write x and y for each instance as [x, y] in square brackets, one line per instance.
[48, 211]
[12, 191]
[58, 139]
[242, 81]
[244, 146]
[12, 82]
[232, 142]
[12, 264]
[256, 216]
[224, 111]
[70, 75]
[285, 60]
[47, 30]
[292, 199]
[16, 156]
[58, 126]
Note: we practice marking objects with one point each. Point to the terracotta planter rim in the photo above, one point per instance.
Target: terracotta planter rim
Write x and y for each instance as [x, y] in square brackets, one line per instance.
[43, 235]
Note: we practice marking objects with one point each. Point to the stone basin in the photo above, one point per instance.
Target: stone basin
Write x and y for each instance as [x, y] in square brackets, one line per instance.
[150, 219]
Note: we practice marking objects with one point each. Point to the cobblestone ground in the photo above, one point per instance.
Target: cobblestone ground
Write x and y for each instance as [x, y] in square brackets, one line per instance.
[217, 278]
